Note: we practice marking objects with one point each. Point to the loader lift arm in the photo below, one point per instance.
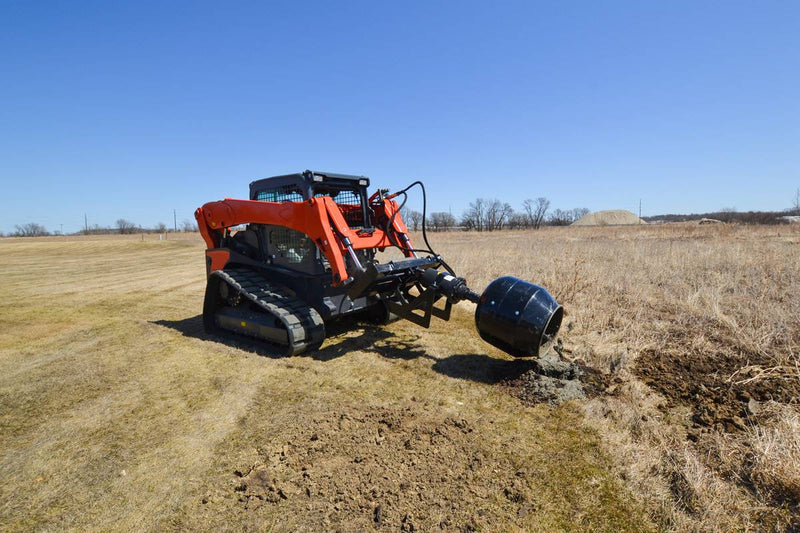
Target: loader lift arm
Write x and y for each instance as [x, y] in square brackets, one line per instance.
[319, 218]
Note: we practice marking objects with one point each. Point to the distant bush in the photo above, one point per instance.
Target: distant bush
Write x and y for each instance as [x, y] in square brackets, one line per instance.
[126, 226]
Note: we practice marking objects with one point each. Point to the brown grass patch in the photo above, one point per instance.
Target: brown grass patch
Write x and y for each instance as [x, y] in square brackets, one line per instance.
[117, 413]
[110, 420]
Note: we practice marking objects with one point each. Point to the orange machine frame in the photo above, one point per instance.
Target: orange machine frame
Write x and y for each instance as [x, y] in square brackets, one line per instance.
[319, 218]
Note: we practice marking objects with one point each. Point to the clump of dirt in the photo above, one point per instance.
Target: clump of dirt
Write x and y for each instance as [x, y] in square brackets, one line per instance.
[614, 217]
[554, 381]
[384, 468]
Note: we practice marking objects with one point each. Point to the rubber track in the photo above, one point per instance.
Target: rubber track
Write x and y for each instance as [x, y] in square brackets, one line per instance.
[303, 323]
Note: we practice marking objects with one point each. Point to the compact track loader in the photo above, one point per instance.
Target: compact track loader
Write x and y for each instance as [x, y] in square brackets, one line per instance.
[304, 250]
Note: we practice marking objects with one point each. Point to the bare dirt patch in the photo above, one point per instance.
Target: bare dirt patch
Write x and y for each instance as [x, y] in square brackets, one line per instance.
[392, 477]
[724, 390]
[408, 468]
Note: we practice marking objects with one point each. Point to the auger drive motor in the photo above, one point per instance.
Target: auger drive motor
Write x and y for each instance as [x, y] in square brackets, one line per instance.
[304, 250]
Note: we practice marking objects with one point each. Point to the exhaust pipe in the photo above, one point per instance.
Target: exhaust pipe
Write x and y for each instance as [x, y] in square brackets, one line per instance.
[516, 316]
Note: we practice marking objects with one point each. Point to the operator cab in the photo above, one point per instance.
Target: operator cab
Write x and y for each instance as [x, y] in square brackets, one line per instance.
[284, 247]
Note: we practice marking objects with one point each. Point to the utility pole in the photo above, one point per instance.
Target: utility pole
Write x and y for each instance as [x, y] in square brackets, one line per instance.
[86, 224]
[640, 210]
[175, 220]
[62, 229]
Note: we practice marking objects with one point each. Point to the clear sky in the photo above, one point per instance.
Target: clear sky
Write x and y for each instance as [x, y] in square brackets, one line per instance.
[133, 109]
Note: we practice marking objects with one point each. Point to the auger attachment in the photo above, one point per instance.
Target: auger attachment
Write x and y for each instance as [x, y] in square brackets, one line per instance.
[516, 316]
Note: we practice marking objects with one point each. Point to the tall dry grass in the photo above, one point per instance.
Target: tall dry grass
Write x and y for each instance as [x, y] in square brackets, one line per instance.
[699, 329]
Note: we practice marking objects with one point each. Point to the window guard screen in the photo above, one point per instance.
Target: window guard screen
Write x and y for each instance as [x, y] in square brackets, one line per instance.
[286, 193]
[349, 202]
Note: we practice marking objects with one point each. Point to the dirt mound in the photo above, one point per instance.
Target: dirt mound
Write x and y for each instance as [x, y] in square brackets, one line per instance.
[555, 381]
[723, 390]
[615, 217]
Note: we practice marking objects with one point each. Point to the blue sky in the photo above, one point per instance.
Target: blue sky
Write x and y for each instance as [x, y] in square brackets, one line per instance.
[132, 110]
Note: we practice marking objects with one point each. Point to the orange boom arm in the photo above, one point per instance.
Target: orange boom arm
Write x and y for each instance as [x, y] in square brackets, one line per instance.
[319, 218]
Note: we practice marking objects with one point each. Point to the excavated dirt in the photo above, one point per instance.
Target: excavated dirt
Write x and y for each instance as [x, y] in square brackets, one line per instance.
[721, 395]
[555, 381]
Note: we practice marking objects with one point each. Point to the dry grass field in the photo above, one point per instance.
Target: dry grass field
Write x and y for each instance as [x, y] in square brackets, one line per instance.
[117, 412]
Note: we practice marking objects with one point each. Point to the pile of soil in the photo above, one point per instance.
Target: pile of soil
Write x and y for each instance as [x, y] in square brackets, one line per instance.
[615, 217]
[555, 381]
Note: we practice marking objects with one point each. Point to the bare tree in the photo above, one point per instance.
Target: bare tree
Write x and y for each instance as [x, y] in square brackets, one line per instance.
[536, 211]
[797, 202]
[506, 212]
[565, 217]
[579, 212]
[473, 217]
[727, 214]
[486, 215]
[491, 214]
[126, 226]
[449, 221]
[188, 225]
[436, 221]
[518, 221]
[559, 217]
[97, 229]
[160, 227]
[412, 217]
[496, 214]
[31, 229]
[442, 221]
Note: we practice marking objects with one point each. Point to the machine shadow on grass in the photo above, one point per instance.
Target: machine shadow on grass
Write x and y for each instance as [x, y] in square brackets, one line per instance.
[348, 335]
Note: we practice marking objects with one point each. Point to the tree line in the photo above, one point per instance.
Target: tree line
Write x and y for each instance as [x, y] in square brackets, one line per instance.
[482, 215]
[122, 226]
[485, 214]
